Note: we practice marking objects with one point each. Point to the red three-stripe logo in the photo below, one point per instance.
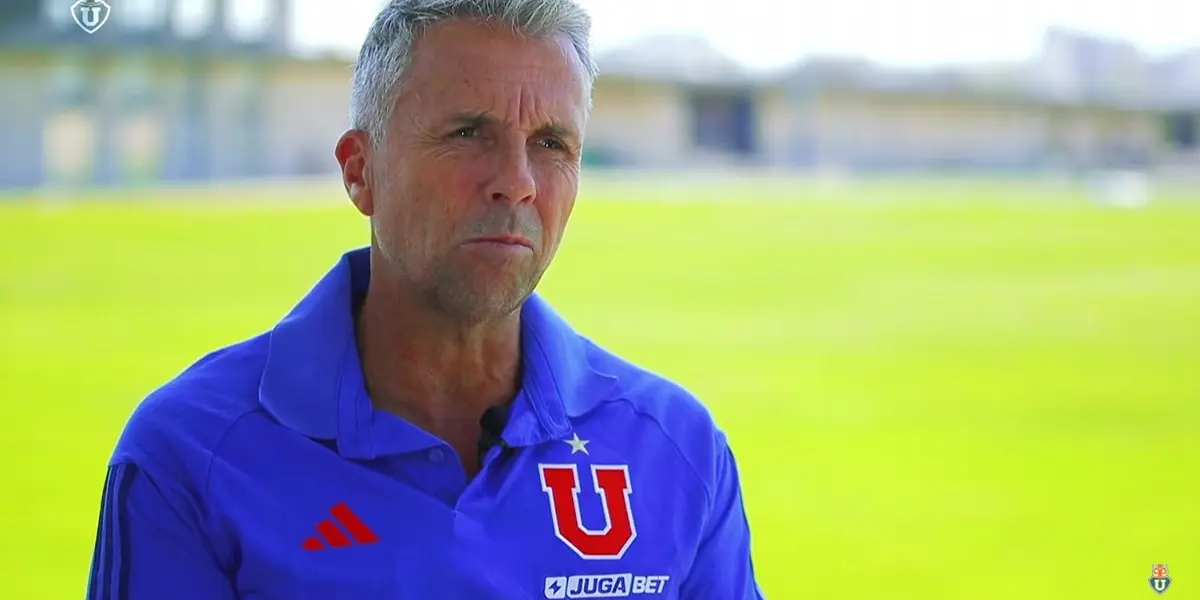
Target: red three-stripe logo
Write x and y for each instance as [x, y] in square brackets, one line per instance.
[561, 484]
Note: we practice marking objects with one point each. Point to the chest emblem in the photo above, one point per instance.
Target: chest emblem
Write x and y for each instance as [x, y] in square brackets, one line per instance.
[562, 486]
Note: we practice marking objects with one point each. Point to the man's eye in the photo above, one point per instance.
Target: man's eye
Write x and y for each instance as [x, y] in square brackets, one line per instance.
[552, 144]
[465, 132]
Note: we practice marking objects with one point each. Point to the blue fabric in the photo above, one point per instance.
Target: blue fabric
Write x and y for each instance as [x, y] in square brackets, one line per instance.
[263, 472]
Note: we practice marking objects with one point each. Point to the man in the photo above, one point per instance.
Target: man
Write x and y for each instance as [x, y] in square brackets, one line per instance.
[422, 424]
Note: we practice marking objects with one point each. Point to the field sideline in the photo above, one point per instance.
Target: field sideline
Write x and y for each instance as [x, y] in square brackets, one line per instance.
[936, 390]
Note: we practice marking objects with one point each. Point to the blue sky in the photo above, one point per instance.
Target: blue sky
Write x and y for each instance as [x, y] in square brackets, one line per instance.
[769, 33]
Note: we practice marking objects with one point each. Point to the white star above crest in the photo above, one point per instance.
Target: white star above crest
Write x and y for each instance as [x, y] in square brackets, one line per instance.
[577, 445]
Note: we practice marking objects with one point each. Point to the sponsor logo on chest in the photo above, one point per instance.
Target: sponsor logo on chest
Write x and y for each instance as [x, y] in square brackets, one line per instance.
[617, 585]
[612, 483]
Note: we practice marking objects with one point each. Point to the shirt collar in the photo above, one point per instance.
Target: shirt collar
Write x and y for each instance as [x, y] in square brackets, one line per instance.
[312, 380]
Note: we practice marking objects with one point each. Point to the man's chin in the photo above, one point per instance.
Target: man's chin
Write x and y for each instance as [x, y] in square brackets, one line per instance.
[480, 303]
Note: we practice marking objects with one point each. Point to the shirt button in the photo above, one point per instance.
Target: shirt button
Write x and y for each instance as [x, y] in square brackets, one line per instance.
[436, 455]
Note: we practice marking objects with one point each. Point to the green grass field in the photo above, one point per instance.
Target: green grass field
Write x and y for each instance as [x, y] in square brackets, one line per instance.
[936, 390]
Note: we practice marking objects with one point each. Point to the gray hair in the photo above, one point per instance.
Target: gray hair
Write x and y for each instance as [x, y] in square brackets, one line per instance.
[386, 54]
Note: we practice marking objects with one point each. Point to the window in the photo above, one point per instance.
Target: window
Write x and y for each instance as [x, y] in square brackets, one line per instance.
[1183, 131]
[723, 122]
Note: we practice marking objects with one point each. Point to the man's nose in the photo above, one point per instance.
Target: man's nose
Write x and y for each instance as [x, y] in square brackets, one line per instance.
[514, 180]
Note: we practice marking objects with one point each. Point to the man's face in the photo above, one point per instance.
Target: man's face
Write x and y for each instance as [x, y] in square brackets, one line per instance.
[472, 187]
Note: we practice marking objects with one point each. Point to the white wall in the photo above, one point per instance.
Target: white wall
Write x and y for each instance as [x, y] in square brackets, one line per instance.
[918, 131]
[646, 123]
[307, 112]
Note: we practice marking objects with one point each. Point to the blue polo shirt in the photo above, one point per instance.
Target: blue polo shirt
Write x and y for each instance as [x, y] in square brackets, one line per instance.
[263, 472]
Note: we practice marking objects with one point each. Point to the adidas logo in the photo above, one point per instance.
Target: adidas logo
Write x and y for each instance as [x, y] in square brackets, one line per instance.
[329, 535]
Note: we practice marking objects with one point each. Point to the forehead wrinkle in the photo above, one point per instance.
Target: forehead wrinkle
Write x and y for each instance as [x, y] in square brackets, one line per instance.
[514, 105]
[527, 96]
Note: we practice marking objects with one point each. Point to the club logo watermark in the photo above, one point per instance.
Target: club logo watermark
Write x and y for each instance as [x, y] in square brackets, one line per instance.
[1160, 580]
[90, 15]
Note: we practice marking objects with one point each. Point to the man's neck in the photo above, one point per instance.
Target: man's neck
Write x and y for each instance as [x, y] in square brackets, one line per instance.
[439, 375]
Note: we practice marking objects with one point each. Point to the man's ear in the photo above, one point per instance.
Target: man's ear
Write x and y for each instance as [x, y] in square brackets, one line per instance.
[353, 152]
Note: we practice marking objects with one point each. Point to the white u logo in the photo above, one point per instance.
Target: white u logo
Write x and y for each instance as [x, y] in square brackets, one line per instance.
[91, 15]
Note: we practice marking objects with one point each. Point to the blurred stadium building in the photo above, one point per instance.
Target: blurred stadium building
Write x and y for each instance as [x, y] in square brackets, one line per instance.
[171, 90]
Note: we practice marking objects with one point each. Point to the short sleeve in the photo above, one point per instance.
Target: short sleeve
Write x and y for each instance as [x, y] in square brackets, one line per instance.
[150, 545]
[723, 568]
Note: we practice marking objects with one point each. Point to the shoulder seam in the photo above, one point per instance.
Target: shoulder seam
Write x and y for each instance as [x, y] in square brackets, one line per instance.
[212, 455]
[708, 492]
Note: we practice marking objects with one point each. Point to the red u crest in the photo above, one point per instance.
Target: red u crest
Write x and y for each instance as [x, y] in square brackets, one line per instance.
[561, 484]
